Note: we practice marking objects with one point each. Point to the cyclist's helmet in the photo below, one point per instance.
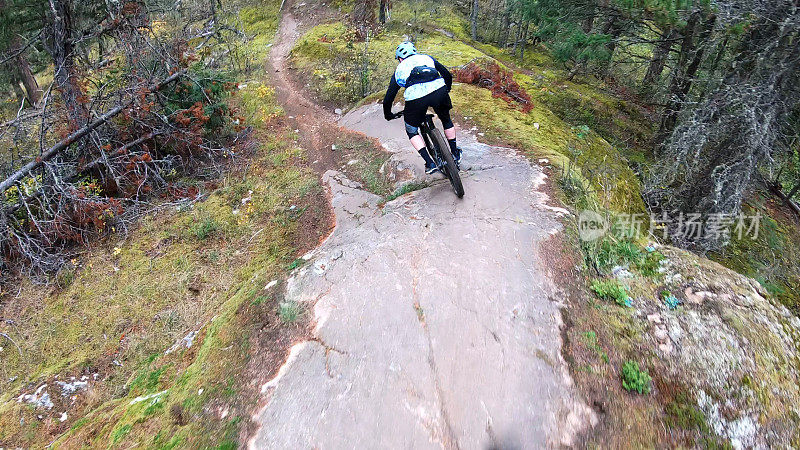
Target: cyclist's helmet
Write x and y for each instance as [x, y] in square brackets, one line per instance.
[404, 50]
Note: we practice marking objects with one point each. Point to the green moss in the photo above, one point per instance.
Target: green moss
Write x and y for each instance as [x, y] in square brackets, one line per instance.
[684, 414]
[771, 258]
[583, 155]
[343, 71]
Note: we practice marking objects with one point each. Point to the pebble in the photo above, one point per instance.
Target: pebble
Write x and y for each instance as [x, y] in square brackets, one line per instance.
[655, 318]
[661, 334]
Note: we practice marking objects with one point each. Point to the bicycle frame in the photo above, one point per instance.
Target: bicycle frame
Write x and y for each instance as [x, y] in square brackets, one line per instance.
[425, 130]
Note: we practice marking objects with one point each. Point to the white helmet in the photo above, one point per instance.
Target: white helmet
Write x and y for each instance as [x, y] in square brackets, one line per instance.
[404, 50]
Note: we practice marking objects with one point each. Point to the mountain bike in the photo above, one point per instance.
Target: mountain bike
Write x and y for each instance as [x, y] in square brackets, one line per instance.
[439, 150]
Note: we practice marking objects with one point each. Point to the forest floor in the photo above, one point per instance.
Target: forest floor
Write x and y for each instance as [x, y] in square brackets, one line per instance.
[326, 292]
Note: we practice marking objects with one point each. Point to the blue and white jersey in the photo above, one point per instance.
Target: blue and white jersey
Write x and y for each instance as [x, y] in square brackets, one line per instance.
[417, 90]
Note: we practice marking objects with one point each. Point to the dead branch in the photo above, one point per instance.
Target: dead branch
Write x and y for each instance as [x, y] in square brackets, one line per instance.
[72, 138]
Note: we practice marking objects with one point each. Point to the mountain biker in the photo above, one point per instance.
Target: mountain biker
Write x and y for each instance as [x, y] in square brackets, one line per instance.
[427, 85]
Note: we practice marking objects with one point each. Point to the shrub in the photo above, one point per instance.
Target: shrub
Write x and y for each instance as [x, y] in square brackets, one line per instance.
[497, 79]
[611, 290]
[604, 254]
[204, 228]
[289, 312]
[634, 379]
[649, 265]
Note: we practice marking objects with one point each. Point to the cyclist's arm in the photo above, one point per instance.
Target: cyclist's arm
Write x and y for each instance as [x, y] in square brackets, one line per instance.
[448, 77]
[388, 99]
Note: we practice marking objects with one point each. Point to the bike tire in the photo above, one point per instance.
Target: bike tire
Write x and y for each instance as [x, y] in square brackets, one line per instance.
[451, 169]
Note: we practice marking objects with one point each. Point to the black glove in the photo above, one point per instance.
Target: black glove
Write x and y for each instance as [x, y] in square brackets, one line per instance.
[389, 116]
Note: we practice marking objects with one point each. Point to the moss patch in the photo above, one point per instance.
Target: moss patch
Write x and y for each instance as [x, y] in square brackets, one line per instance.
[124, 313]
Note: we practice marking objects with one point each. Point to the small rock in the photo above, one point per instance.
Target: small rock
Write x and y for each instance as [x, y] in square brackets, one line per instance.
[536, 125]
[270, 284]
[655, 318]
[621, 272]
[337, 111]
[320, 267]
[675, 333]
[661, 334]
[333, 147]
[63, 417]
[692, 297]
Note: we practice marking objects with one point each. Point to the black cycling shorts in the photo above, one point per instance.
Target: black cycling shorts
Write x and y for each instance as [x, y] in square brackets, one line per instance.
[439, 100]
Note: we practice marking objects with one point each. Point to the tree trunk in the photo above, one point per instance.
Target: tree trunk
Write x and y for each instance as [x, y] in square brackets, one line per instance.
[473, 19]
[682, 79]
[588, 21]
[382, 13]
[506, 26]
[26, 75]
[660, 54]
[64, 61]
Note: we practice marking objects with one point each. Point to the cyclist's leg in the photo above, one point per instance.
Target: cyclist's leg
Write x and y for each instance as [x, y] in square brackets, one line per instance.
[442, 109]
[413, 115]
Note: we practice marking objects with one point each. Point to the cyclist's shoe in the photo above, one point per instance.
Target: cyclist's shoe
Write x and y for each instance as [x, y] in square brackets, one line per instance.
[457, 155]
[430, 167]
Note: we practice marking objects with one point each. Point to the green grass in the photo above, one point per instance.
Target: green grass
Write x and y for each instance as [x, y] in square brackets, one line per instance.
[635, 379]
[405, 189]
[289, 311]
[611, 290]
[134, 297]
[205, 228]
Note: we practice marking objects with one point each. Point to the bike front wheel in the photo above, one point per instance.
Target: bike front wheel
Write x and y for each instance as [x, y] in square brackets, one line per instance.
[449, 168]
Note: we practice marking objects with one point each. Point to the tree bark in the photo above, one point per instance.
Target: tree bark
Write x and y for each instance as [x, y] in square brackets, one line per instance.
[64, 60]
[688, 64]
[614, 29]
[32, 89]
[473, 19]
[505, 31]
[384, 6]
[659, 59]
[588, 22]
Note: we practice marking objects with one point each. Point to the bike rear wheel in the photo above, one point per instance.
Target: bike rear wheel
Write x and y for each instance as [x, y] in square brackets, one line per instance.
[449, 168]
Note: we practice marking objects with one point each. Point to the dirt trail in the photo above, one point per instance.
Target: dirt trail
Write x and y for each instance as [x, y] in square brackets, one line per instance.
[437, 324]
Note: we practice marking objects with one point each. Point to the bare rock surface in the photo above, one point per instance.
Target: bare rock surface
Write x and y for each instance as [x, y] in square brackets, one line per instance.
[435, 324]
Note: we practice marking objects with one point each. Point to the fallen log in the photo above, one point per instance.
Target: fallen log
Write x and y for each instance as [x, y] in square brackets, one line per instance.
[776, 189]
[75, 136]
